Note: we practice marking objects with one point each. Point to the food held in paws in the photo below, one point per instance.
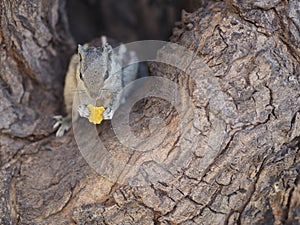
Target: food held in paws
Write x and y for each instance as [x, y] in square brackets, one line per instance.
[96, 115]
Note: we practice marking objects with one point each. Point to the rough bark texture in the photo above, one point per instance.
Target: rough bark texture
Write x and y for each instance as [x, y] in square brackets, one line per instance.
[251, 176]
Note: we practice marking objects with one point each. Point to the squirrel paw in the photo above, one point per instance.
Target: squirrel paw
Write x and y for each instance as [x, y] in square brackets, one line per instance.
[108, 114]
[63, 124]
[83, 111]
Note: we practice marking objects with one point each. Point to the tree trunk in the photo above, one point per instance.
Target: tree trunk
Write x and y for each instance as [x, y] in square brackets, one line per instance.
[240, 142]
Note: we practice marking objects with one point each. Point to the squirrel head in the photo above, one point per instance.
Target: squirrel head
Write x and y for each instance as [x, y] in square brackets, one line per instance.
[95, 67]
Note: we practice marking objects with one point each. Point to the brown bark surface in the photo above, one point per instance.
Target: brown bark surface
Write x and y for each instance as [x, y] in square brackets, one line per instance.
[249, 174]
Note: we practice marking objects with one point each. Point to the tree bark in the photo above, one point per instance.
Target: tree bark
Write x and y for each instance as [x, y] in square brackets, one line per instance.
[244, 135]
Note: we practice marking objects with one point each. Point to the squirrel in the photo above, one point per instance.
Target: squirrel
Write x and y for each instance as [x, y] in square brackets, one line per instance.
[97, 75]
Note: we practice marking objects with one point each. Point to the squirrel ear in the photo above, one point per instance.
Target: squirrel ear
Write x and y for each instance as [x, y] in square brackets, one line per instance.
[81, 50]
[103, 40]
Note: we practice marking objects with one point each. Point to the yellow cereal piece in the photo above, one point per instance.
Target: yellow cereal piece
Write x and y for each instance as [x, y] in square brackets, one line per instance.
[96, 115]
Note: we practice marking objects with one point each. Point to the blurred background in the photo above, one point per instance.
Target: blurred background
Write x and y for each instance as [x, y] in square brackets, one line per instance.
[126, 20]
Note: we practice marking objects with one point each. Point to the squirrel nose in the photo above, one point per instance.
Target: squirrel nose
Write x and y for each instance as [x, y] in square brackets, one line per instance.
[94, 94]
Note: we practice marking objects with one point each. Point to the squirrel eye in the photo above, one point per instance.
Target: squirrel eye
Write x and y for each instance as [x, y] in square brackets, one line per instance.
[80, 76]
[106, 75]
